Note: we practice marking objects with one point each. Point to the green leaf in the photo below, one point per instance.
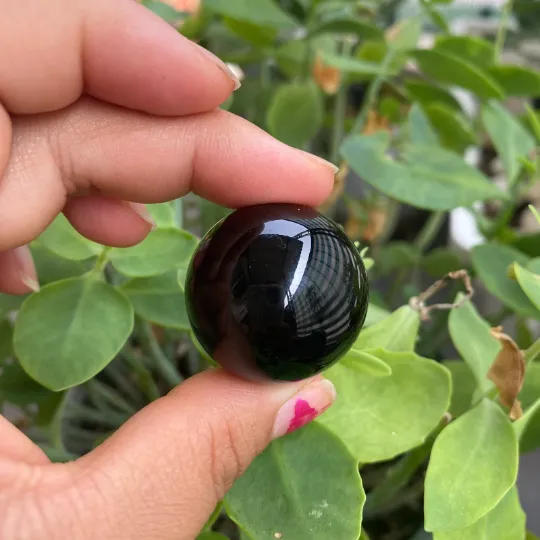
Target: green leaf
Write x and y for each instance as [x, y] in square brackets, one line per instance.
[352, 65]
[504, 521]
[472, 338]
[211, 536]
[51, 267]
[17, 388]
[533, 121]
[527, 428]
[295, 114]
[263, 13]
[491, 262]
[396, 256]
[381, 417]
[252, 33]
[375, 314]
[162, 250]
[437, 18]
[404, 35]
[9, 302]
[427, 93]
[473, 464]
[530, 419]
[431, 178]
[530, 283]
[158, 299]
[535, 212]
[516, 80]
[162, 213]
[419, 127]
[345, 25]
[475, 50]
[447, 68]
[165, 11]
[289, 58]
[440, 261]
[510, 138]
[302, 505]
[368, 362]
[531, 536]
[463, 387]
[70, 330]
[398, 332]
[63, 240]
[451, 126]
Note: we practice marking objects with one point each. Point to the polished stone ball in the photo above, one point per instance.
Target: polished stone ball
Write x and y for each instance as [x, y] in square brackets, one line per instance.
[276, 290]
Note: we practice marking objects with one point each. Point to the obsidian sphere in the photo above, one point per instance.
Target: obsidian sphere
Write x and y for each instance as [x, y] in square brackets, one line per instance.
[276, 290]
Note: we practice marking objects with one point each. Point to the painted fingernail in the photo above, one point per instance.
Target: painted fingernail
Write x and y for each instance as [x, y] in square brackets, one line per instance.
[27, 270]
[223, 66]
[308, 403]
[322, 161]
[142, 212]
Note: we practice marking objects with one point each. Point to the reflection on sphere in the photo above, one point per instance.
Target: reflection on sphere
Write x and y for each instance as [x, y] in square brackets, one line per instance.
[276, 289]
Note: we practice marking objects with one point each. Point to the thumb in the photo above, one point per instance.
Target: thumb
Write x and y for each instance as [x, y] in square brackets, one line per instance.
[161, 475]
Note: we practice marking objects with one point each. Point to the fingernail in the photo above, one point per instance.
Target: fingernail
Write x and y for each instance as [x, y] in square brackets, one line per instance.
[142, 212]
[223, 66]
[27, 270]
[306, 405]
[322, 161]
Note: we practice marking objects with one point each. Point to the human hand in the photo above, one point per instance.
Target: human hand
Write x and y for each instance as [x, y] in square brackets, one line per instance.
[103, 103]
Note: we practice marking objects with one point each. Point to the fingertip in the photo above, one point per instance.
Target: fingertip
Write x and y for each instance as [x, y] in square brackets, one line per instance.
[18, 274]
[109, 221]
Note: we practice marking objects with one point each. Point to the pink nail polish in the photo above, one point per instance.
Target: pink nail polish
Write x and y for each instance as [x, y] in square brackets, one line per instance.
[306, 405]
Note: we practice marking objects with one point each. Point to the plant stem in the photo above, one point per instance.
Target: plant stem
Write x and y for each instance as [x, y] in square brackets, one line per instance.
[213, 517]
[150, 345]
[55, 428]
[373, 92]
[501, 31]
[104, 392]
[429, 231]
[58, 456]
[121, 379]
[340, 109]
[532, 353]
[179, 212]
[102, 261]
[109, 419]
[145, 379]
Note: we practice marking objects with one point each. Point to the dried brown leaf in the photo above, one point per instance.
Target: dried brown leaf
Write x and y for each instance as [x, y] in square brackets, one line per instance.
[508, 372]
[375, 123]
[328, 78]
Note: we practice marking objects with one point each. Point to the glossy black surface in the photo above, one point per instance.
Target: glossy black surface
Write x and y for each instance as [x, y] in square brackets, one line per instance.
[276, 290]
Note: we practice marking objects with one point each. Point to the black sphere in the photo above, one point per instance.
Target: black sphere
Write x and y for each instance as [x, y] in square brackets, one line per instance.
[276, 290]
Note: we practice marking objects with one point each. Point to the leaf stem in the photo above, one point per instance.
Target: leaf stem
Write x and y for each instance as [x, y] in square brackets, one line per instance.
[58, 456]
[102, 260]
[144, 378]
[103, 392]
[373, 92]
[150, 345]
[340, 109]
[532, 353]
[501, 31]
[429, 231]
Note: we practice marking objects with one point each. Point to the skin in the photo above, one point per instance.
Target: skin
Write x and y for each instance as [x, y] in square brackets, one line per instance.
[102, 103]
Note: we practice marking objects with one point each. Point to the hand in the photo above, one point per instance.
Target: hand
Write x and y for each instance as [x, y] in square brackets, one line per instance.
[103, 103]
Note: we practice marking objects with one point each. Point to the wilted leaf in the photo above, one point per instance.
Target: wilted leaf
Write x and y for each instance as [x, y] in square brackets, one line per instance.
[328, 78]
[508, 372]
